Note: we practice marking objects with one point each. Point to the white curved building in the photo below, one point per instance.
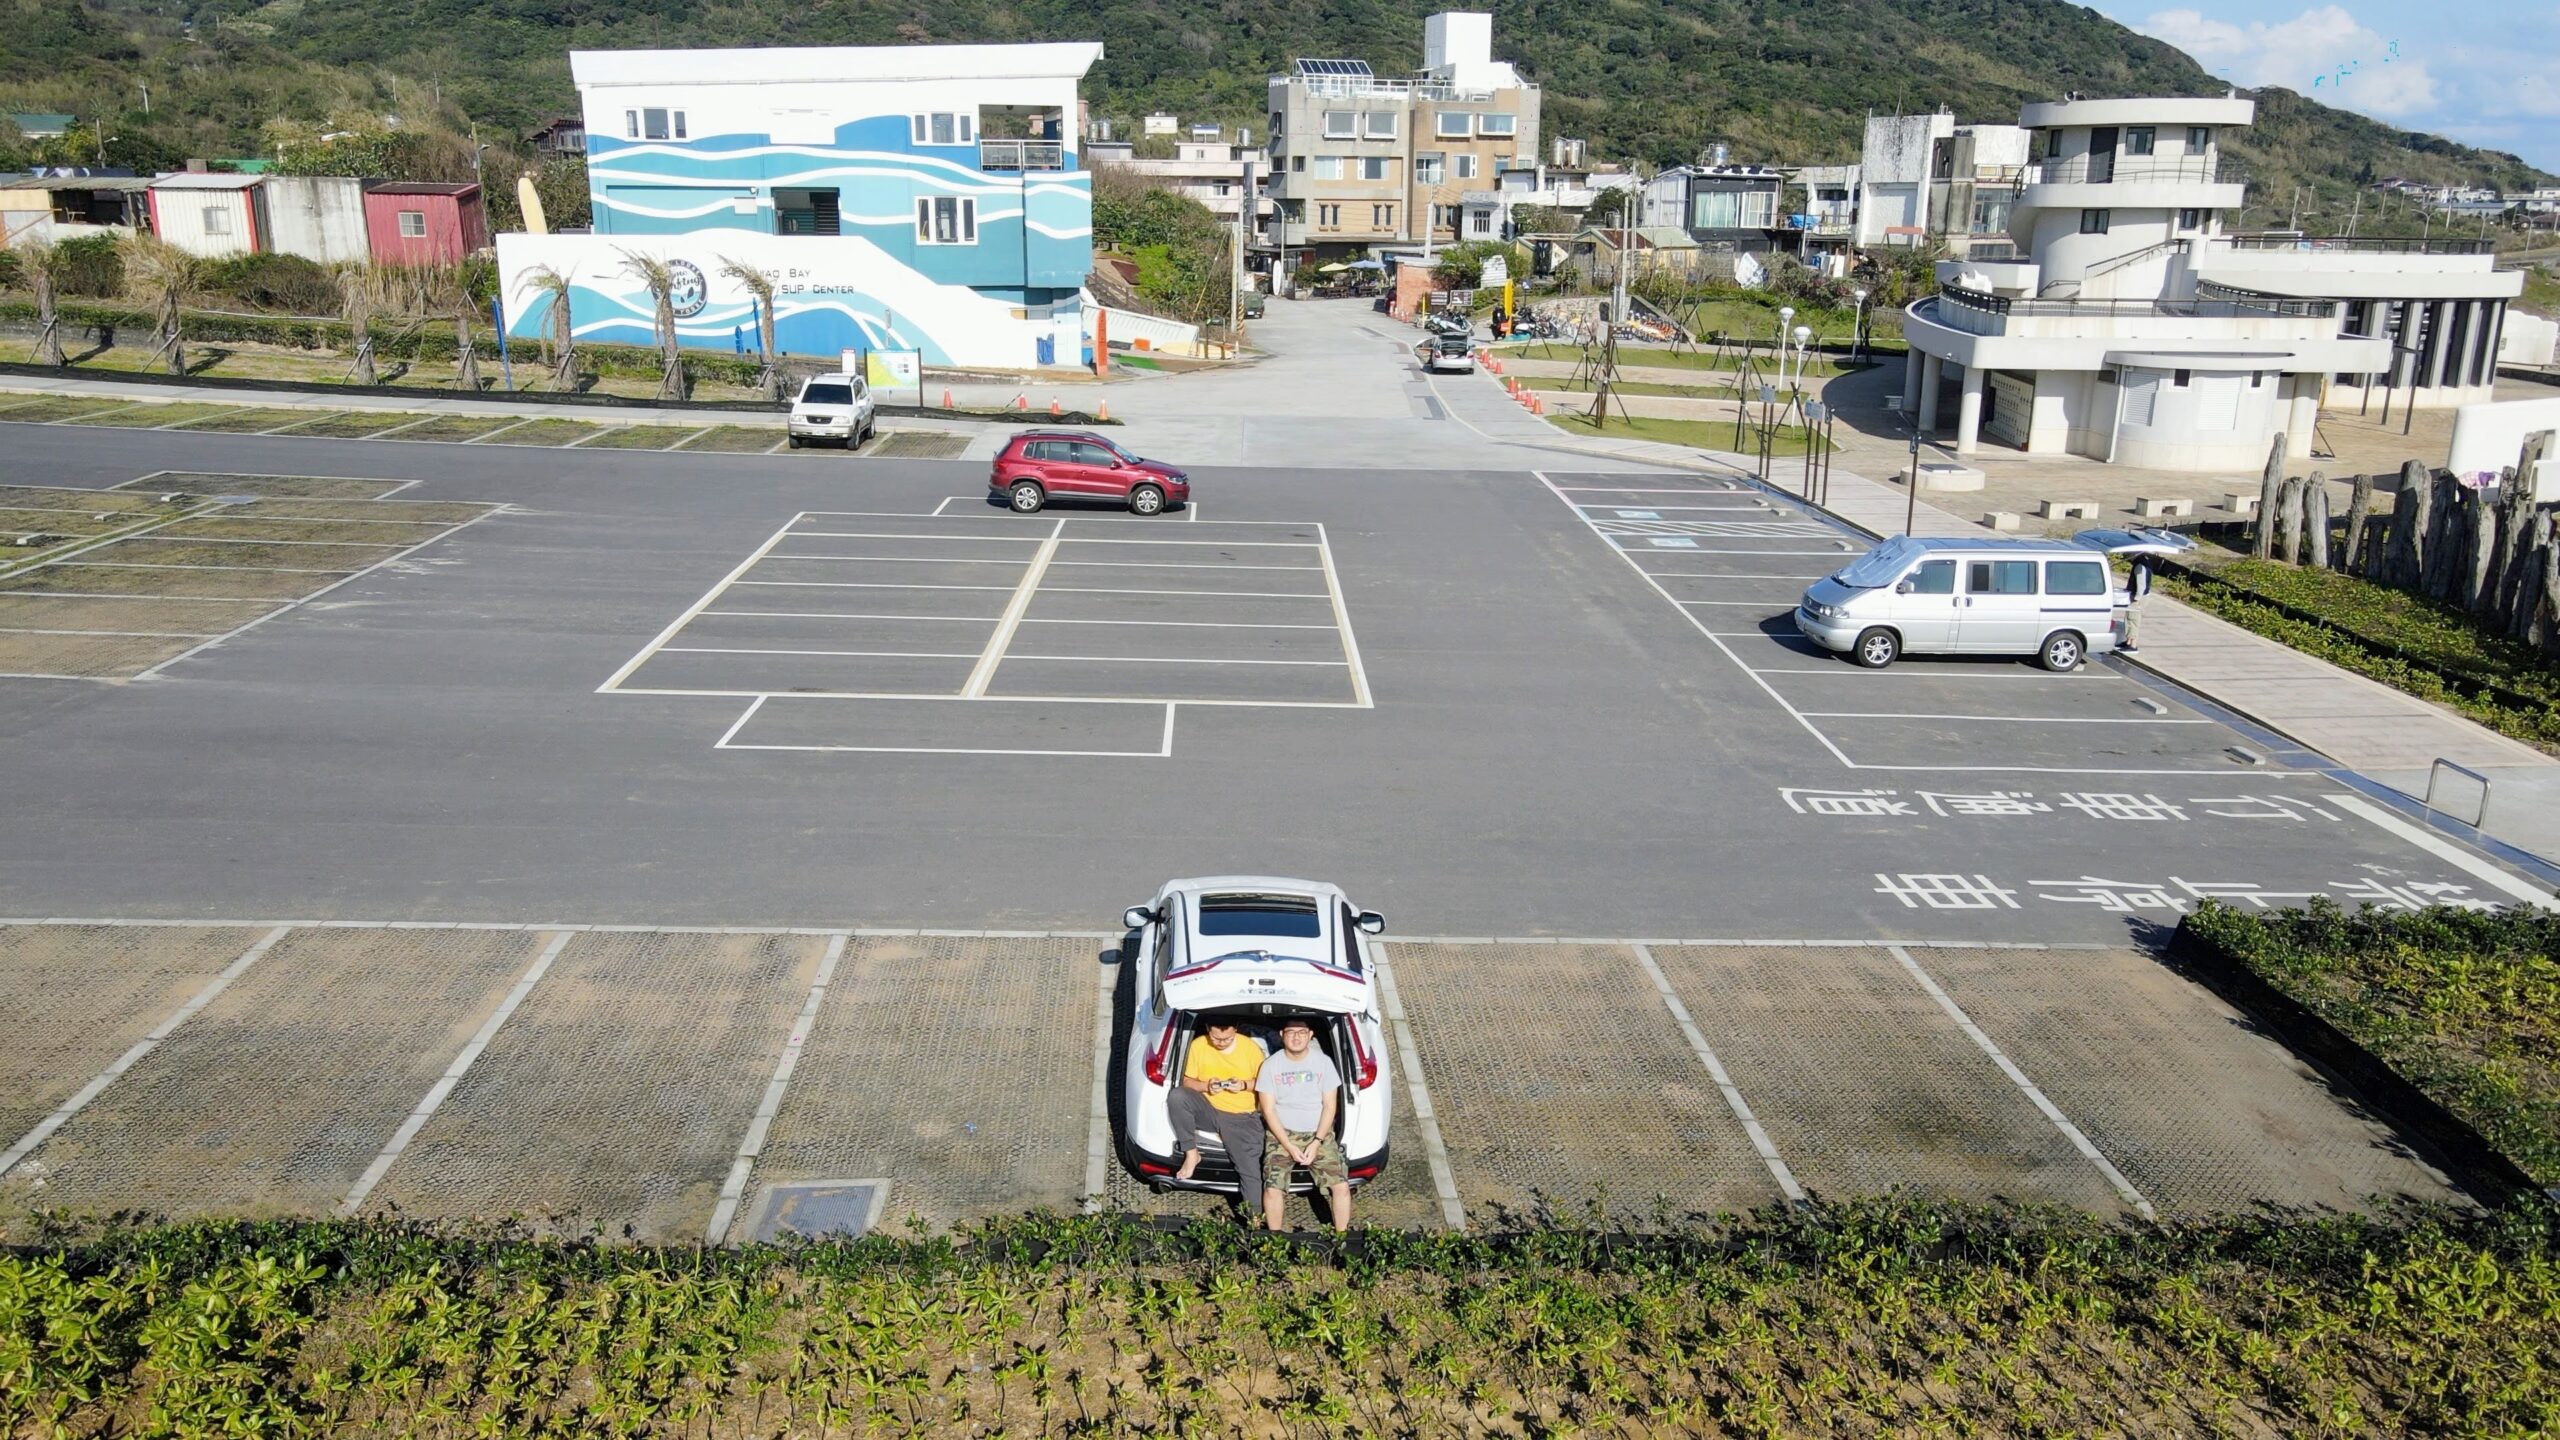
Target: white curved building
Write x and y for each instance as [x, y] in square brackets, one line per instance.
[2133, 328]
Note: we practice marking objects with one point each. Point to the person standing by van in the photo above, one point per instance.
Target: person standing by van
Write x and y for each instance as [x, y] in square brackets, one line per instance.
[2137, 588]
[1301, 1092]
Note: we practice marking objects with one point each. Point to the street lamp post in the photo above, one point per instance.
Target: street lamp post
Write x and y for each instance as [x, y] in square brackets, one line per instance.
[1858, 329]
[1786, 317]
[1911, 478]
[1804, 338]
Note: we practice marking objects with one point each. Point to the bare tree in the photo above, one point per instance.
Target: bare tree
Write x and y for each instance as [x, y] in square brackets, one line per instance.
[560, 346]
[166, 275]
[759, 285]
[39, 258]
[659, 279]
[354, 285]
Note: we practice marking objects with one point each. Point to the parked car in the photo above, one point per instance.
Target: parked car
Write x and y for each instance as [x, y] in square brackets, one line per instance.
[1250, 304]
[1951, 595]
[1451, 353]
[1038, 466]
[833, 407]
[1256, 950]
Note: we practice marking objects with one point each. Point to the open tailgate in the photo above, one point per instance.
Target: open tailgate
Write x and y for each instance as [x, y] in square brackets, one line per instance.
[1264, 977]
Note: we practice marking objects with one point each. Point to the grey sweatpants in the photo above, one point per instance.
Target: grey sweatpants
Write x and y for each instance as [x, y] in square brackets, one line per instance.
[1243, 1135]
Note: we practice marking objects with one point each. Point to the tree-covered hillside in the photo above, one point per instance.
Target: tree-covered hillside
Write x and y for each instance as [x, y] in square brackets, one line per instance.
[1654, 80]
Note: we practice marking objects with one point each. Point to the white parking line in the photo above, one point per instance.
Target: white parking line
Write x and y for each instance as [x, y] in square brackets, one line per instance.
[1183, 565]
[862, 585]
[930, 539]
[453, 1073]
[1097, 1134]
[848, 615]
[1185, 624]
[696, 608]
[488, 435]
[1211, 594]
[2433, 844]
[852, 654]
[751, 1146]
[1733, 1100]
[1222, 544]
[67, 1109]
[2026, 1086]
[1444, 1180]
[907, 559]
[984, 673]
[2005, 719]
[1177, 660]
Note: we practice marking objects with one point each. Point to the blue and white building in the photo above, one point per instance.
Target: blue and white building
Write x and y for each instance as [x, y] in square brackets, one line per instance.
[923, 198]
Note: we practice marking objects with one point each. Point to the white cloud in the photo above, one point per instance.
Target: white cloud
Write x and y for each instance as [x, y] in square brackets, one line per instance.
[2307, 53]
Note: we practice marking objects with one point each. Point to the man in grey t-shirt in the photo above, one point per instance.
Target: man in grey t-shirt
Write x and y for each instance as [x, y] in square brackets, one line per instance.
[1301, 1092]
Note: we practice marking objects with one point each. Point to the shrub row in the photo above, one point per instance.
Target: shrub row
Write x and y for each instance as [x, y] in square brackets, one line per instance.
[425, 342]
[2464, 1005]
[2533, 724]
[1886, 1317]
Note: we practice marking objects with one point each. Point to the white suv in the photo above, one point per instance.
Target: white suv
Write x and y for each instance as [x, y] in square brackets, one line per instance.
[1254, 950]
[833, 407]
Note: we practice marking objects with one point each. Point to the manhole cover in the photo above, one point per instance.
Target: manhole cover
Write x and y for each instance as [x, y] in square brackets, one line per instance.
[815, 1208]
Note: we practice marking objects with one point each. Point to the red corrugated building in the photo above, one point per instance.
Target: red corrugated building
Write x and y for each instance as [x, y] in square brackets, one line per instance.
[413, 223]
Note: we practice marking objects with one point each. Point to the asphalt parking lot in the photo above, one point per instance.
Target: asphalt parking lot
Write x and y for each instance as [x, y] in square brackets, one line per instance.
[664, 1085]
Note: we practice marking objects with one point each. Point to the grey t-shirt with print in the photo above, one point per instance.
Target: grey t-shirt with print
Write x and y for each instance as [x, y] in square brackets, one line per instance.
[1297, 1086]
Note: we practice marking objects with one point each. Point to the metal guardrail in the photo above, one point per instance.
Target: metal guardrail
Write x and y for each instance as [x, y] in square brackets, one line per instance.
[1022, 155]
[2134, 170]
[2361, 245]
[2223, 302]
[2479, 817]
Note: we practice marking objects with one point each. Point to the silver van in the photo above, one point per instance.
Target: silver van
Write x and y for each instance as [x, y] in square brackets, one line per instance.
[1950, 595]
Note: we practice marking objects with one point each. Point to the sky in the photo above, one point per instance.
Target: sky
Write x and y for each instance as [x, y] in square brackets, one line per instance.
[2484, 72]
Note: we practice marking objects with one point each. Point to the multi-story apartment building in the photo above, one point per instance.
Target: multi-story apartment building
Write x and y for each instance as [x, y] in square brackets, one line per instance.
[1216, 171]
[2129, 326]
[920, 197]
[1925, 180]
[1360, 161]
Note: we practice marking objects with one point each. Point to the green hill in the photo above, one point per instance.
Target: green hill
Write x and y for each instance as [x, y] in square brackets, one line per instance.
[1787, 80]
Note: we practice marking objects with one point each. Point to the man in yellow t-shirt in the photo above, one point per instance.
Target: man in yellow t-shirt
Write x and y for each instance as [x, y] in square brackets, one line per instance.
[1216, 1095]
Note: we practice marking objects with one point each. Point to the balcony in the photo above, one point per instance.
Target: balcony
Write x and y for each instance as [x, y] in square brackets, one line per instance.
[2112, 169]
[2210, 301]
[2254, 317]
[1022, 155]
[2341, 244]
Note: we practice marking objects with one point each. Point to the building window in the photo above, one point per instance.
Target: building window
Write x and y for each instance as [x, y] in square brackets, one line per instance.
[1328, 217]
[1466, 166]
[1497, 124]
[1382, 217]
[1374, 167]
[944, 127]
[2093, 222]
[630, 124]
[1430, 168]
[217, 220]
[1341, 124]
[1328, 167]
[2141, 139]
[2199, 139]
[1380, 124]
[946, 220]
[1991, 212]
[1297, 164]
[413, 224]
[658, 124]
[2179, 379]
[1480, 222]
[1223, 187]
[1456, 124]
[2190, 219]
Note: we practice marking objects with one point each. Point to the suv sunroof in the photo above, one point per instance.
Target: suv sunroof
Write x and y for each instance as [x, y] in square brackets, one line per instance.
[1292, 916]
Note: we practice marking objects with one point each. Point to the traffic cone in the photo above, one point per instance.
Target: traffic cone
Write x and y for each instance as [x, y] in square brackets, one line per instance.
[1104, 413]
[1022, 403]
[946, 401]
[1054, 411]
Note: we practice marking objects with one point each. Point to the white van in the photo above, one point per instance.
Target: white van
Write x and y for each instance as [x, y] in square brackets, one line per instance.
[833, 407]
[1949, 595]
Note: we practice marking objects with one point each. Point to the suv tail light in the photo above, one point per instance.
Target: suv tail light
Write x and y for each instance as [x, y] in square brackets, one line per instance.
[1364, 1065]
[1156, 1057]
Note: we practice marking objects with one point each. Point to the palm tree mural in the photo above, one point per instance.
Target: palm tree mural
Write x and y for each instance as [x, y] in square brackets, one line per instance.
[760, 285]
[561, 344]
[656, 276]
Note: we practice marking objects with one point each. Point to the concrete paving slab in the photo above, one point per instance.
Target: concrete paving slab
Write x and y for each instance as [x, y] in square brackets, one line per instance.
[617, 1092]
[2180, 1091]
[73, 998]
[93, 656]
[957, 1069]
[275, 1097]
[1562, 1081]
[306, 487]
[1865, 1084]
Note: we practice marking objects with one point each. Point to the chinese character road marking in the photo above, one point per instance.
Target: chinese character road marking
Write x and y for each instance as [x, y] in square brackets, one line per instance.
[1998, 802]
[1844, 802]
[2124, 807]
[1946, 892]
[2261, 807]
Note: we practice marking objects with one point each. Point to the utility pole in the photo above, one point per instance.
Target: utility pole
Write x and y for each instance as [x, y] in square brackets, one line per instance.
[2296, 222]
[2354, 211]
[1235, 280]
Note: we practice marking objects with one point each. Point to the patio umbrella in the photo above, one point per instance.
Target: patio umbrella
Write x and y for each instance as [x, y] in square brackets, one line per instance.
[1334, 268]
[1366, 265]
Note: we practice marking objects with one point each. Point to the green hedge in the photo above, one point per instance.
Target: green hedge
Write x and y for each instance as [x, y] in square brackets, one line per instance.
[430, 341]
[1878, 1318]
[2465, 1005]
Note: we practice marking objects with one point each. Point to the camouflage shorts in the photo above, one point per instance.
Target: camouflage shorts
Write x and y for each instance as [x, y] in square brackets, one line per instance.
[1328, 1168]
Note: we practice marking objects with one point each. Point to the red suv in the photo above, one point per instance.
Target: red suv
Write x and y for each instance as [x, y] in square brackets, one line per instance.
[1038, 466]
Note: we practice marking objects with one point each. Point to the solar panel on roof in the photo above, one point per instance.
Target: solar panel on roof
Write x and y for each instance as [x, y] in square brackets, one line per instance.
[1355, 68]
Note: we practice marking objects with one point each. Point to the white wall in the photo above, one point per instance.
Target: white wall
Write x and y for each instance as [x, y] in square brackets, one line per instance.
[318, 217]
[2488, 437]
[2528, 339]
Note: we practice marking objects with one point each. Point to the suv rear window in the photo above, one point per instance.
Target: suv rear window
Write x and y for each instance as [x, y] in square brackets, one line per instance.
[1292, 916]
[827, 395]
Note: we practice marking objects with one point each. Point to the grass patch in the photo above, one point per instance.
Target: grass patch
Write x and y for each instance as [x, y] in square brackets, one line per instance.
[737, 440]
[1697, 434]
[1874, 1318]
[2465, 1005]
[1633, 387]
[250, 422]
[64, 407]
[1705, 358]
[641, 437]
[2362, 623]
[356, 424]
[150, 416]
[456, 427]
[549, 430]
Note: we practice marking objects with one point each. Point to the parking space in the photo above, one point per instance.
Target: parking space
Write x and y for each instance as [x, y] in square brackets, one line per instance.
[668, 1081]
[1092, 628]
[185, 559]
[1734, 558]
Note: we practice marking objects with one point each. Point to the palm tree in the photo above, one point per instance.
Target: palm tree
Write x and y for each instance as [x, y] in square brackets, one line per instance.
[39, 255]
[655, 275]
[561, 344]
[759, 285]
[166, 275]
